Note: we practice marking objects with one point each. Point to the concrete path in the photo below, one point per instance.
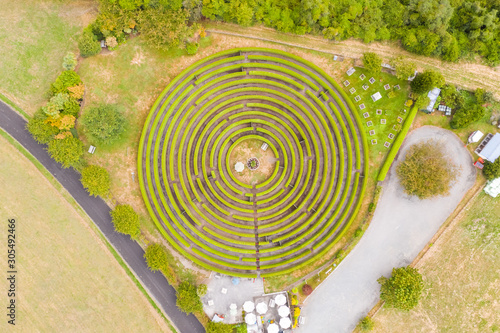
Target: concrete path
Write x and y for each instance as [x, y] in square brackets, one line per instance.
[400, 228]
[155, 283]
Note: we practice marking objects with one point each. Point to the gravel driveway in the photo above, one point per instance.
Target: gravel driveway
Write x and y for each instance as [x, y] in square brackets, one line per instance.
[400, 228]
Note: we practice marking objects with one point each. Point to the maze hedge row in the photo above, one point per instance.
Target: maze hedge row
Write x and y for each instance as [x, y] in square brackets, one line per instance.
[314, 192]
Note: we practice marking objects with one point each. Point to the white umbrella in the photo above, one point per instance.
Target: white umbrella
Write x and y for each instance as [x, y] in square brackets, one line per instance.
[283, 311]
[239, 167]
[250, 319]
[280, 299]
[261, 308]
[273, 328]
[233, 310]
[248, 306]
[285, 322]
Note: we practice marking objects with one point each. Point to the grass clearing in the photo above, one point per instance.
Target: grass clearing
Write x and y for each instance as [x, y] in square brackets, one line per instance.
[82, 286]
[462, 278]
[35, 36]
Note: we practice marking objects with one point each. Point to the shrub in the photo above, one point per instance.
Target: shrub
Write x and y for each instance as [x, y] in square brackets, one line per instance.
[103, 124]
[422, 102]
[491, 170]
[69, 61]
[391, 94]
[366, 324]
[66, 122]
[126, 221]
[111, 42]
[467, 115]
[192, 48]
[219, 328]
[95, 180]
[358, 232]
[65, 80]
[41, 131]
[88, 44]
[188, 300]
[307, 289]
[55, 105]
[77, 91]
[372, 62]
[451, 96]
[71, 107]
[67, 151]
[426, 170]
[201, 290]
[403, 289]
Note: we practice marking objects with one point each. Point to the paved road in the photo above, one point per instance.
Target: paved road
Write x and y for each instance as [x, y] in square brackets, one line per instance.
[98, 210]
[399, 230]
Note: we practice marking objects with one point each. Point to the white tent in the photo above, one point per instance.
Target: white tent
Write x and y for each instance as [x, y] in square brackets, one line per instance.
[273, 328]
[250, 319]
[233, 309]
[239, 167]
[280, 299]
[217, 319]
[285, 322]
[376, 96]
[261, 308]
[283, 311]
[475, 137]
[248, 306]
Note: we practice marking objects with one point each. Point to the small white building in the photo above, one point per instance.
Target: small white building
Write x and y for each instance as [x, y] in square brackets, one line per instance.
[489, 148]
[433, 95]
[376, 96]
[492, 187]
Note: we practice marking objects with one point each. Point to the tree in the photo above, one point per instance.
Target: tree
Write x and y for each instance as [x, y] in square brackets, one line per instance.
[40, 129]
[69, 61]
[403, 289]
[467, 115]
[67, 151]
[88, 44]
[372, 62]
[307, 290]
[366, 324]
[491, 170]
[219, 328]
[65, 80]
[188, 300]
[126, 221]
[103, 124]
[157, 258]
[55, 105]
[96, 180]
[404, 67]
[426, 171]
[426, 81]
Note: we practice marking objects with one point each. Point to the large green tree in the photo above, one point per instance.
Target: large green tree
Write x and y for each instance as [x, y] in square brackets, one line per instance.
[67, 151]
[158, 259]
[126, 220]
[491, 170]
[103, 124]
[426, 170]
[426, 81]
[467, 115]
[188, 300]
[96, 180]
[372, 62]
[403, 289]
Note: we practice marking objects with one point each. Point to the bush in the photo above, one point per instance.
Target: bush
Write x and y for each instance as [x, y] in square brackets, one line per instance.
[192, 48]
[307, 289]
[95, 180]
[372, 62]
[71, 107]
[491, 170]
[467, 115]
[88, 44]
[65, 80]
[366, 324]
[103, 124]
[41, 131]
[67, 151]
[219, 328]
[426, 170]
[55, 105]
[201, 290]
[126, 221]
[69, 61]
[111, 42]
[188, 300]
[403, 289]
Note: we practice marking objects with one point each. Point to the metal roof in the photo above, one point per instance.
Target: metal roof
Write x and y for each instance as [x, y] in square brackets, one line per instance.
[433, 95]
[491, 151]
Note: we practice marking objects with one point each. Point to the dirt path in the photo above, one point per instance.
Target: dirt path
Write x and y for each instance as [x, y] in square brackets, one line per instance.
[464, 74]
[401, 227]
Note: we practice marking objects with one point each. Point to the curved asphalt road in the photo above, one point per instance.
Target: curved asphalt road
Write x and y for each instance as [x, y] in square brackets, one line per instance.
[98, 210]
[401, 227]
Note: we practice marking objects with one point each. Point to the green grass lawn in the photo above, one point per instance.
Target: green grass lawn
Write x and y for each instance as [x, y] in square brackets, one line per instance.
[391, 108]
[461, 277]
[34, 38]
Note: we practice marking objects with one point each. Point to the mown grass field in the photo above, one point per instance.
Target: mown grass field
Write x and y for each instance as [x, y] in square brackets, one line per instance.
[34, 38]
[462, 278]
[68, 281]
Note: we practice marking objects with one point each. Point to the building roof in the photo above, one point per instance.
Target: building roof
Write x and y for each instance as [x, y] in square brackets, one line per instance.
[493, 187]
[433, 95]
[376, 96]
[491, 150]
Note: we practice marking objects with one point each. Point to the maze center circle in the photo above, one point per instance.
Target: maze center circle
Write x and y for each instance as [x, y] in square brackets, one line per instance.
[187, 178]
[249, 149]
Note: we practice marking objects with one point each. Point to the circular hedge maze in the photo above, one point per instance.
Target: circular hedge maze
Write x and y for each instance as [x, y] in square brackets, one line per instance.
[279, 225]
